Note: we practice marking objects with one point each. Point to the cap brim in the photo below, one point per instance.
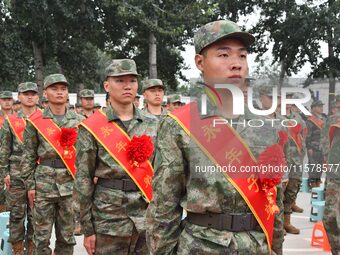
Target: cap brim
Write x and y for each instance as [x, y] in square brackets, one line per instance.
[61, 82]
[122, 74]
[36, 91]
[162, 86]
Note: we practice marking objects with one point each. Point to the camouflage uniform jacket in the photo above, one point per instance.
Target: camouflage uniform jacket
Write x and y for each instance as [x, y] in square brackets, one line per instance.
[333, 157]
[47, 181]
[177, 185]
[313, 138]
[163, 113]
[11, 151]
[104, 210]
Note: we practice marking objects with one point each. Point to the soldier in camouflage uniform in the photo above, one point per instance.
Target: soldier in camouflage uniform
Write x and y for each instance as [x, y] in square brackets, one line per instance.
[295, 163]
[6, 103]
[97, 106]
[136, 102]
[49, 183]
[153, 92]
[87, 102]
[79, 109]
[331, 218]
[174, 102]
[313, 140]
[10, 157]
[176, 184]
[44, 102]
[113, 215]
[266, 99]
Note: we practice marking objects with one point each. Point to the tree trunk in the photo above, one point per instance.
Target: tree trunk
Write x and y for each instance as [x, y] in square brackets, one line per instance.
[79, 87]
[38, 65]
[152, 56]
[331, 56]
[282, 74]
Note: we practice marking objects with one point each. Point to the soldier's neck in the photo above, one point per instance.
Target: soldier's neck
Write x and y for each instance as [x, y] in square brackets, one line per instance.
[123, 111]
[28, 110]
[59, 109]
[6, 112]
[87, 113]
[226, 108]
[155, 109]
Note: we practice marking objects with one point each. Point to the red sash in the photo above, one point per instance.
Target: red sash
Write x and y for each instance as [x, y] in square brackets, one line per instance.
[235, 151]
[296, 137]
[18, 125]
[2, 120]
[316, 121]
[332, 130]
[114, 140]
[51, 132]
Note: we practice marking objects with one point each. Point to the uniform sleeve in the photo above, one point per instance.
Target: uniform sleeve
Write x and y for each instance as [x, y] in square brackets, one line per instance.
[84, 186]
[324, 139]
[5, 149]
[164, 212]
[30, 155]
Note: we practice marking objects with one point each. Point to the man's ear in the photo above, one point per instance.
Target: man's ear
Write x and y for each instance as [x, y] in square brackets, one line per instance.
[199, 61]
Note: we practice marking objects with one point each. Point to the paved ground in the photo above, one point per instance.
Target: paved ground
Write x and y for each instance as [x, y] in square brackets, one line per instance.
[294, 244]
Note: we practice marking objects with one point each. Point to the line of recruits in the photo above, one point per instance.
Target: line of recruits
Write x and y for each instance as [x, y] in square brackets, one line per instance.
[128, 176]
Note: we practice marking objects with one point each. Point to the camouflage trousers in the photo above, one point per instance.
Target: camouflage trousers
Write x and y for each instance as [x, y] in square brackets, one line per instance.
[57, 211]
[291, 190]
[18, 204]
[121, 245]
[331, 217]
[317, 160]
[2, 196]
[278, 233]
[240, 244]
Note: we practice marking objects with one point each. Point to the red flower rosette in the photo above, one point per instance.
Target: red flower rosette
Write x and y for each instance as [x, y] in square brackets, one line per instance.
[139, 149]
[68, 138]
[272, 157]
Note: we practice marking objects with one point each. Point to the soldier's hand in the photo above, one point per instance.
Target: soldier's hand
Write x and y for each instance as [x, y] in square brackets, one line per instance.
[31, 197]
[90, 244]
[7, 181]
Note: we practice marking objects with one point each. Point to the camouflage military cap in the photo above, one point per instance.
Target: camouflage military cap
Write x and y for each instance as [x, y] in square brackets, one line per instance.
[27, 86]
[44, 99]
[174, 98]
[55, 78]
[152, 83]
[97, 105]
[6, 94]
[17, 102]
[71, 106]
[137, 96]
[317, 103]
[120, 67]
[86, 93]
[214, 31]
[333, 104]
[337, 98]
[78, 105]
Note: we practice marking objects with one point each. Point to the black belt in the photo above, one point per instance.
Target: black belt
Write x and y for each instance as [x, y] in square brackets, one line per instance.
[54, 163]
[234, 222]
[124, 185]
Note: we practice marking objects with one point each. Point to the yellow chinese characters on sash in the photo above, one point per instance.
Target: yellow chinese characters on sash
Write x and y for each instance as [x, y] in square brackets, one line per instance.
[224, 147]
[52, 133]
[17, 125]
[316, 121]
[115, 140]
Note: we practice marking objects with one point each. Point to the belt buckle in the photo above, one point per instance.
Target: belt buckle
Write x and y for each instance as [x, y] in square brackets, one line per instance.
[240, 222]
[53, 163]
[125, 185]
